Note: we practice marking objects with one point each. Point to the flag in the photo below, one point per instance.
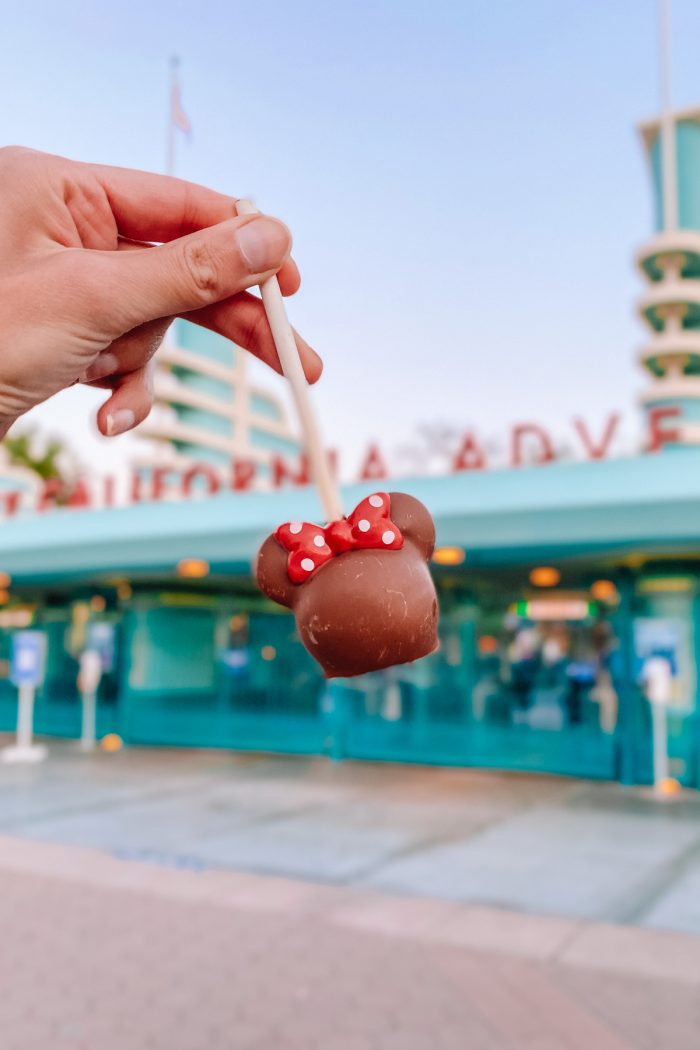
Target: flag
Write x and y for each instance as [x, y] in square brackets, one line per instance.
[178, 116]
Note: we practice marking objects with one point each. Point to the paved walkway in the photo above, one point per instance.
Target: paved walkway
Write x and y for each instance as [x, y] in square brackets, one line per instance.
[104, 954]
[526, 843]
[163, 900]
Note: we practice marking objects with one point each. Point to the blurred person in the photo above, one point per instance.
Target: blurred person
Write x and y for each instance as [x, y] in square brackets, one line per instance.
[492, 673]
[87, 296]
[549, 680]
[552, 650]
[524, 663]
[604, 692]
[657, 678]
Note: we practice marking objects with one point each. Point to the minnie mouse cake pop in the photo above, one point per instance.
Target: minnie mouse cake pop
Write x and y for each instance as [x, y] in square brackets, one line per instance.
[360, 589]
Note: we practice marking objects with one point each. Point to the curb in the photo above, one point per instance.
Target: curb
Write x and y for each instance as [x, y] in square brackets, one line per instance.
[622, 950]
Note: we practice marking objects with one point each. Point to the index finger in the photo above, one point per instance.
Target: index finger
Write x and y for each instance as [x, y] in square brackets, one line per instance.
[150, 207]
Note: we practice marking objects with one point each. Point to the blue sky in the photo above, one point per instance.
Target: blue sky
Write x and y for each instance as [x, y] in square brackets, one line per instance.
[463, 180]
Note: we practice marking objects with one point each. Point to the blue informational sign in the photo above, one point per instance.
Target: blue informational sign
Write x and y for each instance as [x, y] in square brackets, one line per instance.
[100, 638]
[655, 636]
[28, 658]
[236, 662]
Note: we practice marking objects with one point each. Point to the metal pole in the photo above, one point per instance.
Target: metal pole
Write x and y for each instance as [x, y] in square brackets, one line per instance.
[88, 736]
[659, 724]
[24, 749]
[626, 714]
[25, 717]
[170, 152]
[669, 170]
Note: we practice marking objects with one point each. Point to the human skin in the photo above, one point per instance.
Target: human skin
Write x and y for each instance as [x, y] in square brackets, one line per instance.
[95, 262]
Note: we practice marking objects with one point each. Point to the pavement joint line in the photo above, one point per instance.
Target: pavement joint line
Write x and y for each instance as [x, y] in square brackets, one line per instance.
[361, 874]
[577, 925]
[278, 816]
[656, 886]
[145, 797]
[427, 844]
[103, 806]
[579, 943]
[192, 861]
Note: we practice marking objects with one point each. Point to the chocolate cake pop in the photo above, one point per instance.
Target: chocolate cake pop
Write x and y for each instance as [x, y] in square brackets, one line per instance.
[360, 588]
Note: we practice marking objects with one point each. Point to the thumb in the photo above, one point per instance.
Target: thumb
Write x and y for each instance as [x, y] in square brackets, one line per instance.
[191, 272]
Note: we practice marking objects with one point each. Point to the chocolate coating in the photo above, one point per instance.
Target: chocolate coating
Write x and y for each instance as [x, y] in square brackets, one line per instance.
[364, 609]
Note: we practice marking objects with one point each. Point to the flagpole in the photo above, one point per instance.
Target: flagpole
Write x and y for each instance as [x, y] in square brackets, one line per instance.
[669, 172]
[170, 153]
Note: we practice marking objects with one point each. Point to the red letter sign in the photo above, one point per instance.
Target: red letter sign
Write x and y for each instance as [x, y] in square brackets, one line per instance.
[470, 455]
[200, 470]
[242, 474]
[373, 466]
[520, 431]
[600, 450]
[658, 434]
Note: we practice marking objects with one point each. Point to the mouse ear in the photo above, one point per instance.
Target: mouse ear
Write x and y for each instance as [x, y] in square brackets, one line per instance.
[271, 573]
[414, 521]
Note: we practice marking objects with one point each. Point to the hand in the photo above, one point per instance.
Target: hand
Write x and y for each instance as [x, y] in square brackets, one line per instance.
[84, 296]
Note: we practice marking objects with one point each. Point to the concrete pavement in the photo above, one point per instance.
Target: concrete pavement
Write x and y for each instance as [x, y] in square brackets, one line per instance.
[164, 900]
[533, 844]
[98, 953]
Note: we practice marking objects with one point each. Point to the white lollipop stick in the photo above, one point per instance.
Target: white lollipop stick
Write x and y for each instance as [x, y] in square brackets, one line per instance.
[293, 371]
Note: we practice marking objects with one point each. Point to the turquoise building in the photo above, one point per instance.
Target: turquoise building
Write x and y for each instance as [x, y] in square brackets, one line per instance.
[208, 410]
[556, 583]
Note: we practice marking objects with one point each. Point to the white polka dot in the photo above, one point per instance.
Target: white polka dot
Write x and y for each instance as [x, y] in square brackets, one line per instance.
[376, 501]
[295, 527]
[307, 564]
[319, 541]
[388, 537]
[363, 525]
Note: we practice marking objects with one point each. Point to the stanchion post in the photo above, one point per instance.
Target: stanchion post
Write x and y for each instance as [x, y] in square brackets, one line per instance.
[25, 716]
[28, 663]
[659, 732]
[88, 735]
[89, 678]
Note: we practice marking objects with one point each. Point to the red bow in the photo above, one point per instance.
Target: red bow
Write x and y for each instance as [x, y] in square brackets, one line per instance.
[311, 546]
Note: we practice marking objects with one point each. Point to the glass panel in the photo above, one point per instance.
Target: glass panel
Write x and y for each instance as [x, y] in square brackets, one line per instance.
[664, 645]
[516, 684]
[173, 650]
[547, 675]
[222, 676]
[265, 670]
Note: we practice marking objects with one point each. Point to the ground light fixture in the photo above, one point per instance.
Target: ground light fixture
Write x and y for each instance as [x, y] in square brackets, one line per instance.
[448, 555]
[111, 742]
[545, 576]
[193, 568]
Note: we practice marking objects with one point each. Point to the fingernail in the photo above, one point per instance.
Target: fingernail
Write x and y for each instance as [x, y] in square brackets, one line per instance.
[264, 244]
[119, 421]
[103, 365]
[315, 366]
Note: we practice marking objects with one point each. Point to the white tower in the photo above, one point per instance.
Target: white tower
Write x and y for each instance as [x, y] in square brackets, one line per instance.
[670, 262]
